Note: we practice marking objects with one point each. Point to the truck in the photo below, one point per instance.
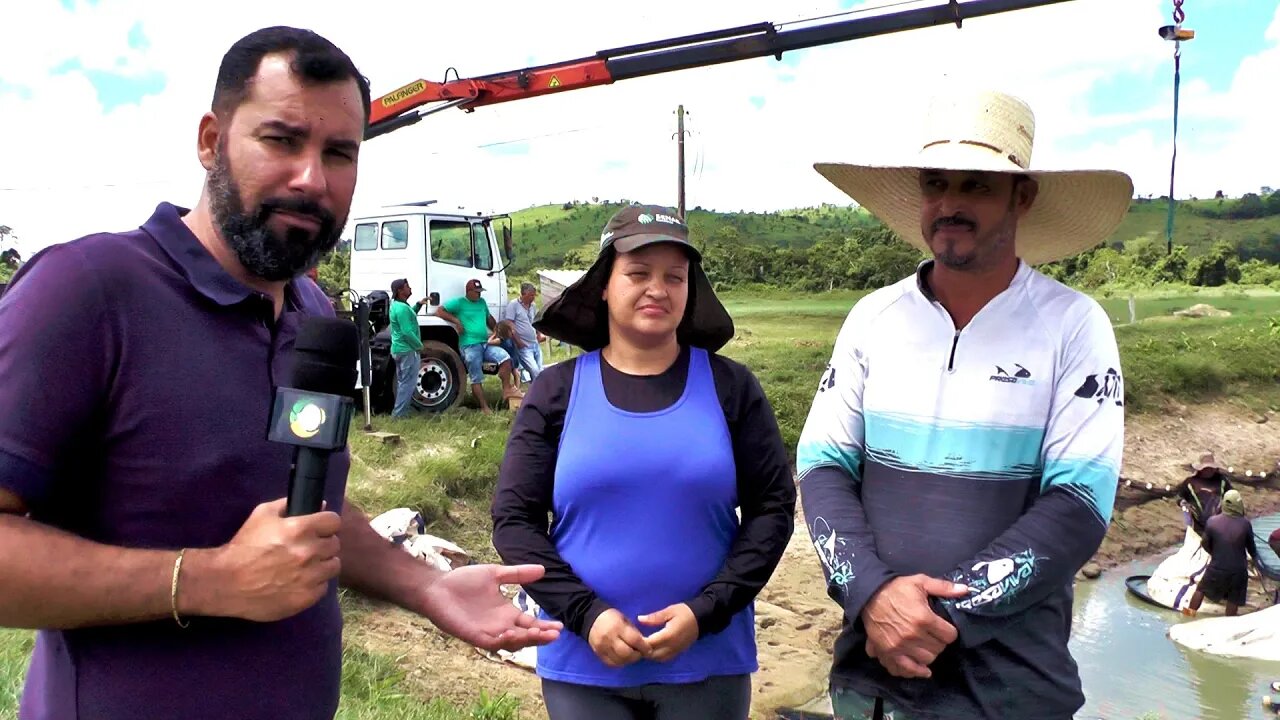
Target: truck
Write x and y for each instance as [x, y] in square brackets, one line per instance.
[437, 251]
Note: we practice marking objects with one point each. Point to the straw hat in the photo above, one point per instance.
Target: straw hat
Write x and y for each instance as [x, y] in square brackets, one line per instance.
[1206, 461]
[993, 132]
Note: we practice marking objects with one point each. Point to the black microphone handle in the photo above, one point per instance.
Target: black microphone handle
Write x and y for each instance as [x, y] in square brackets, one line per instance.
[306, 482]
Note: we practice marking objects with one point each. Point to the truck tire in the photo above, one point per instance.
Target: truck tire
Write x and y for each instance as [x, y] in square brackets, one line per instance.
[441, 378]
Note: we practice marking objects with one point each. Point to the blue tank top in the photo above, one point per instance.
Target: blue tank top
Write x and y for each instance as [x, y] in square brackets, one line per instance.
[644, 507]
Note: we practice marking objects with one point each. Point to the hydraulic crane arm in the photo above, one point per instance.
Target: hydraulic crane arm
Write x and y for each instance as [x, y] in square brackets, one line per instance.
[400, 107]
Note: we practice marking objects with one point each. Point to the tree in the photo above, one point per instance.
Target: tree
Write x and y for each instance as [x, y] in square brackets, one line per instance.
[884, 264]
[1259, 272]
[1146, 251]
[1218, 267]
[581, 257]
[1105, 267]
[334, 272]
[1173, 267]
[1249, 206]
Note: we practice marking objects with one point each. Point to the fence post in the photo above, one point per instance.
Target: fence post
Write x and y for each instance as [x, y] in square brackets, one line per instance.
[1133, 310]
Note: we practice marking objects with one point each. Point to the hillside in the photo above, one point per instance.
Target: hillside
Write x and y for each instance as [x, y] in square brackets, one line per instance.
[545, 234]
[1195, 227]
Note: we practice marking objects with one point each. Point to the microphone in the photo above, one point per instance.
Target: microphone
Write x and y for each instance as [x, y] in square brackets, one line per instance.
[313, 411]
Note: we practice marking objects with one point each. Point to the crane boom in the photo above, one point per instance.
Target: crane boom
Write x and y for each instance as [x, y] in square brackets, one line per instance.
[400, 108]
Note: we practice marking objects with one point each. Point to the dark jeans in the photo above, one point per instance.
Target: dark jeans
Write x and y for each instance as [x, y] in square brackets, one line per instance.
[725, 697]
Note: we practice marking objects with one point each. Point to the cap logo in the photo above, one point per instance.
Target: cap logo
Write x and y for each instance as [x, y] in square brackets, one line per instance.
[668, 219]
[644, 219]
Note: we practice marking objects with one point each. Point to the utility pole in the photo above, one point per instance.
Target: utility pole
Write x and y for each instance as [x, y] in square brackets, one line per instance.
[680, 159]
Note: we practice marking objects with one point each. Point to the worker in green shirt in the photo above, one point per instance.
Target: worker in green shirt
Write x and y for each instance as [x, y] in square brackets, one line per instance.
[470, 315]
[406, 344]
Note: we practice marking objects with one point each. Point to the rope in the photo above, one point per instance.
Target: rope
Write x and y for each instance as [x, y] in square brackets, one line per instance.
[1178, 16]
[873, 8]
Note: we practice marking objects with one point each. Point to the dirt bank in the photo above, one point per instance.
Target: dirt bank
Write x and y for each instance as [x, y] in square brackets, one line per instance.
[797, 622]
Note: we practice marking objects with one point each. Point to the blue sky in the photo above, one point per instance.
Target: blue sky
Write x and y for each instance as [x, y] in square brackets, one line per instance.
[120, 85]
[1227, 31]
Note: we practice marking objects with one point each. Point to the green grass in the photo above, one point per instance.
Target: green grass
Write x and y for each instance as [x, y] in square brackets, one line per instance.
[1164, 301]
[787, 342]
[444, 467]
[1202, 359]
[373, 688]
[15, 650]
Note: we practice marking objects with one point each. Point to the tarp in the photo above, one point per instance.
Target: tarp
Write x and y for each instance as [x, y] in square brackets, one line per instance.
[553, 282]
[407, 528]
[1174, 580]
[1268, 561]
[1255, 635]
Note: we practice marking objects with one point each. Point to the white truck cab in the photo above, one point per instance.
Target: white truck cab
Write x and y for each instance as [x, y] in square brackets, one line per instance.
[437, 251]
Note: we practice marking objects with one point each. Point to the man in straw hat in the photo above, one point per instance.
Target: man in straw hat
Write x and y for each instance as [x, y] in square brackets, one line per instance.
[1200, 495]
[959, 462]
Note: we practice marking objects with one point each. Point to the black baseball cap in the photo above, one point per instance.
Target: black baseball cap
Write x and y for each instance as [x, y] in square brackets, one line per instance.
[636, 226]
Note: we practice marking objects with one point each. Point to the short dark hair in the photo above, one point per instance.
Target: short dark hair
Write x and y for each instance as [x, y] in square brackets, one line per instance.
[315, 61]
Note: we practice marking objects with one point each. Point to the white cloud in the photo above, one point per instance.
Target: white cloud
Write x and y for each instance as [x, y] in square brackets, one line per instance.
[79, 170]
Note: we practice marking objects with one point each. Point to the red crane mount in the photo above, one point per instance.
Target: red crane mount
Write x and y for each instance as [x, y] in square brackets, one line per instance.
[400, 108]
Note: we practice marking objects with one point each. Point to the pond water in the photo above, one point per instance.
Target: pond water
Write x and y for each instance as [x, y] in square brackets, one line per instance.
[1129, 667]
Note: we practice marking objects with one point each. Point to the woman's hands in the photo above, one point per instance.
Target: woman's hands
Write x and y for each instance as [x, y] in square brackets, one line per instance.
[618, 643]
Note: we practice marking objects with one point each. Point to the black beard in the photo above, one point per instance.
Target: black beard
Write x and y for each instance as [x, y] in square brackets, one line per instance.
[262, 252]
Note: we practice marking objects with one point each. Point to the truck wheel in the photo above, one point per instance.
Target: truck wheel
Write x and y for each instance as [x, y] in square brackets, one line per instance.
[441, 378]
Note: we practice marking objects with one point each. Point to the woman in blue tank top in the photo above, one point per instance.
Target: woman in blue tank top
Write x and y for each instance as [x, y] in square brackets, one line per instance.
[643, 451]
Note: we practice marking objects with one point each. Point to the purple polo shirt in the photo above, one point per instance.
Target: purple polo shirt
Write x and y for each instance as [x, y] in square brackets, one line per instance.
[136, 379]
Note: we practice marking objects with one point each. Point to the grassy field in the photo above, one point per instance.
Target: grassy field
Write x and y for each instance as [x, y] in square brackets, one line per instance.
[445, 465]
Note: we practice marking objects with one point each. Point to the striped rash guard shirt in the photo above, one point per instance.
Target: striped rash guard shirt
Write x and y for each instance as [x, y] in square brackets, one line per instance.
[988, 456]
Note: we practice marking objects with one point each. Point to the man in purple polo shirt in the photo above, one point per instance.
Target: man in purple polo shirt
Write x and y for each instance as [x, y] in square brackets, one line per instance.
[141, 504]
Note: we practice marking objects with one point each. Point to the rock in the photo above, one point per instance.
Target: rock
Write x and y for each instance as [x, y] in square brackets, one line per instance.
[1092, 571]
[1201, 310]
[768, 622]
[1260, 419]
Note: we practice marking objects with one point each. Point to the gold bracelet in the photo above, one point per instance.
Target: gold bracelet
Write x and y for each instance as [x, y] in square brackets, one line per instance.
[173, 590]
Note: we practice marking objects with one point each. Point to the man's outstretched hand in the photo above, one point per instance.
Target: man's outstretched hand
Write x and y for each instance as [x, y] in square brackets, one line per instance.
[467, 604]
[903, 632]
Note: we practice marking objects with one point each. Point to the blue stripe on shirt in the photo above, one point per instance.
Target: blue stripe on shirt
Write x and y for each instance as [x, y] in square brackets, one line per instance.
[958, 449]
[1091, 480]
[810, 455]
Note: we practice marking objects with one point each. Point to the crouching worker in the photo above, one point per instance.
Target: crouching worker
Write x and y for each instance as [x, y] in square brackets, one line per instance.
[642, 449]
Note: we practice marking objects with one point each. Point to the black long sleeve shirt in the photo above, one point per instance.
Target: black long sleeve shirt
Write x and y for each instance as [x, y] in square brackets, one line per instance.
[522, 503]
